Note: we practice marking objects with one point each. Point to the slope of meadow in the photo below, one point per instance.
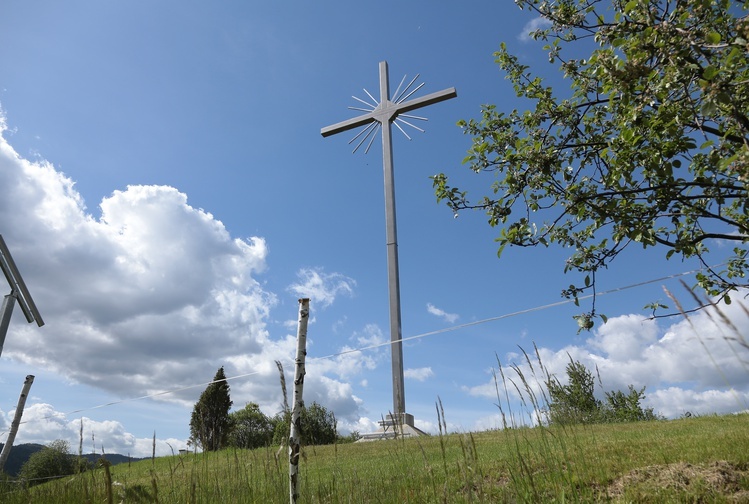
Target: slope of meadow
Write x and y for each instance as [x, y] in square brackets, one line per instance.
[702, 459]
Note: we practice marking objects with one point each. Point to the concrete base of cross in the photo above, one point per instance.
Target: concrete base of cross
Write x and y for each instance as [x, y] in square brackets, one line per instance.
[394, 426]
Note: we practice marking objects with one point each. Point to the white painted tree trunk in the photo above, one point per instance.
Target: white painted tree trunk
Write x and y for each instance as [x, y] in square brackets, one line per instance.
[297, 401]
[16, 421]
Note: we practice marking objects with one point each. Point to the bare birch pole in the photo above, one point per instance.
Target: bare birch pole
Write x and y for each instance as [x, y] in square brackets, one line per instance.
[16, 421]
[297, 401]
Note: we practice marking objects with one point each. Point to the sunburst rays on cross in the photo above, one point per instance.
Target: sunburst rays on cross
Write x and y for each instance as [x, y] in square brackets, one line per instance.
[370, 131]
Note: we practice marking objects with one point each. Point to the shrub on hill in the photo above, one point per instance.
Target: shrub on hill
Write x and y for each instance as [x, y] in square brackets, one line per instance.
[52, 461]
[317, 422]
[575, 403]
[250, 428]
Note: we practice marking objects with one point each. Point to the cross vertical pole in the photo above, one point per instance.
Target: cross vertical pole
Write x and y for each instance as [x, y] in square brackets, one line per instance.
[396, 346]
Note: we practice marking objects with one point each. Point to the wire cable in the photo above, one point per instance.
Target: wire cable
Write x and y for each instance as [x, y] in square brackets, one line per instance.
[506, 315]
[379, 345]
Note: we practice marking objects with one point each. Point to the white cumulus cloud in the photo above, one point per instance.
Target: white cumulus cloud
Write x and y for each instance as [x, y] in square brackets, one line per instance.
[42, 424]
[448, 317]
[147, 295]
[321, 287]
[419, 374]
[697, 366]
[539, 23]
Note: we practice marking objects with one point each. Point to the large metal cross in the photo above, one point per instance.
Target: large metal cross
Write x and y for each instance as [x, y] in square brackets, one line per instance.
[385, 113]
[18, 291]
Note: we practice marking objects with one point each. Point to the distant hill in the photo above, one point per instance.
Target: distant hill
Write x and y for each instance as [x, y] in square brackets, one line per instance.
[114, 458]
[19, 454]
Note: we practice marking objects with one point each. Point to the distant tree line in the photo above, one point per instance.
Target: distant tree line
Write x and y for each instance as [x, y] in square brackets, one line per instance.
[575, 402]
[213, 426]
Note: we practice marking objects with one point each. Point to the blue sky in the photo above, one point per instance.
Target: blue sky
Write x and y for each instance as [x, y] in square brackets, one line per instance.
[168, 197]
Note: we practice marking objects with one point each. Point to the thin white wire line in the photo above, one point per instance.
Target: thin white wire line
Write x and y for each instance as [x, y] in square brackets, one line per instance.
[506, 315]
[379, 345]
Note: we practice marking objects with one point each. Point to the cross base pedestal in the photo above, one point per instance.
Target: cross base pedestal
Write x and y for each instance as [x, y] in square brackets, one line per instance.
[394, 426]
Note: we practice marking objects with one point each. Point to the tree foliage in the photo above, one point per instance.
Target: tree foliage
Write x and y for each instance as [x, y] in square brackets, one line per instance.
[318, 425]
[317, 422]
[52, 461]
[575, 401]
[209, 423]
[650, 146]
[621, 407]
[250, 428]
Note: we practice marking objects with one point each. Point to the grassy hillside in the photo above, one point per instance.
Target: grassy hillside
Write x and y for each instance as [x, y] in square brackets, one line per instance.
[689, 460]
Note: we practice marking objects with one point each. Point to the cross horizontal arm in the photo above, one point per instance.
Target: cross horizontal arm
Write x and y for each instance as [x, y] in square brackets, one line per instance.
[347, 125]
[424, 101]
[18, 286]
[391, 110]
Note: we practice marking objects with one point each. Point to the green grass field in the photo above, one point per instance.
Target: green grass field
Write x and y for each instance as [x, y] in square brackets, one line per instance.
[694, 460]
[703, 459]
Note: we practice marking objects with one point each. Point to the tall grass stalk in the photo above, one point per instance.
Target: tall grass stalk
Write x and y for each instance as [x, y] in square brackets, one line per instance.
[548, 459]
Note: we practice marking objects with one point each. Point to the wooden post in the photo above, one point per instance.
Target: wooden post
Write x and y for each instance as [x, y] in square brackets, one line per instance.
[297, 401]
[16, 421]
